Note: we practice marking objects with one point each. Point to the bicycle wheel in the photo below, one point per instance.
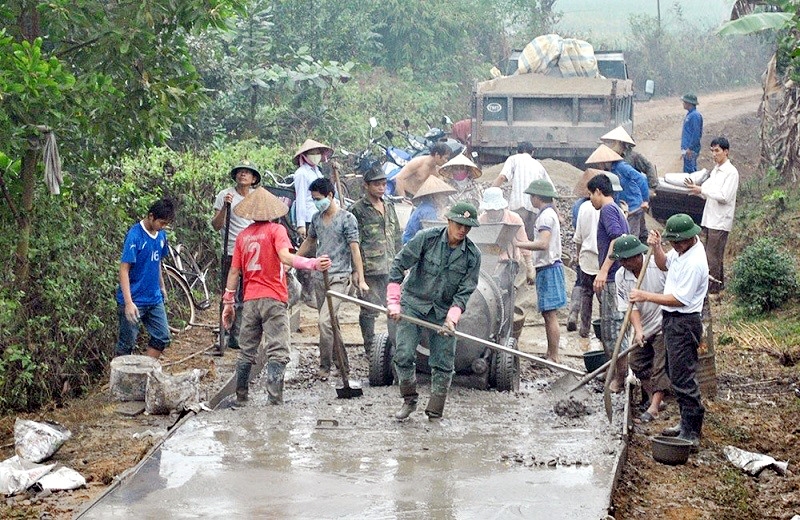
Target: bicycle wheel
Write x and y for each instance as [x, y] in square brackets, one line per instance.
[179, 304]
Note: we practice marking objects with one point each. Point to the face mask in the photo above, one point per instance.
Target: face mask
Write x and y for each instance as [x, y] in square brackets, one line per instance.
[460, 175]
[314, 158]
[322, 204]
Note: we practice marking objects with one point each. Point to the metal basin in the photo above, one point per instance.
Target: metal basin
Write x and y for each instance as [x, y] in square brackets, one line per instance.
[670, 450]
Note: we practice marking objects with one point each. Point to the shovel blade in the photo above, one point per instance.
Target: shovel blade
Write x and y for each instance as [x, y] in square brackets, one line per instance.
[349, 392]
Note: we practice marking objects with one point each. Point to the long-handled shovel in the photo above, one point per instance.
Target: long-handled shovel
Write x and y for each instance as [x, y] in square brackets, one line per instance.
[444, 330]
[346, 392]
[222, 281]
[625, 322]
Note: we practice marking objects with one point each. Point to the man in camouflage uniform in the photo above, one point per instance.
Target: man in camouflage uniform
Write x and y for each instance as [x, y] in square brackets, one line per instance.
[443, 266]
[380, 234]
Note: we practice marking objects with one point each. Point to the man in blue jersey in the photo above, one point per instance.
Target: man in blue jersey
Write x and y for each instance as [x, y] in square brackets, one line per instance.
[140, 295]
[691, 134]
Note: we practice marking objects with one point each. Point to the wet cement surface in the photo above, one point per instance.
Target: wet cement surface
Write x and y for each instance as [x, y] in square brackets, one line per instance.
[494, 455]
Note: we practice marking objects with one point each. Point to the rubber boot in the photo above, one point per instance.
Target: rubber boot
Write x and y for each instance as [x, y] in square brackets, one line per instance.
[242, 382]
[691, 426]
[435, 407]
[409, 393]
[275, 382]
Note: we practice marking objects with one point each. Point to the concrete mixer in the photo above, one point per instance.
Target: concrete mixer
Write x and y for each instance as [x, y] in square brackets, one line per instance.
[490, 314]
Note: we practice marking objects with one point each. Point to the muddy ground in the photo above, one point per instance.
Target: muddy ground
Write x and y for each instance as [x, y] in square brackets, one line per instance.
[756, 408]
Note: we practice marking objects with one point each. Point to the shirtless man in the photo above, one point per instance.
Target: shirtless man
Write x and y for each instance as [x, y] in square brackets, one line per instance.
[419, 169]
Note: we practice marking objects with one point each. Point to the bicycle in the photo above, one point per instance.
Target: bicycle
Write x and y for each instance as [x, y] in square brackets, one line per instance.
[187, 291]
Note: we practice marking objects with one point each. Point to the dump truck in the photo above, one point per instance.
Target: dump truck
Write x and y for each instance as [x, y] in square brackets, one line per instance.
[563, 117]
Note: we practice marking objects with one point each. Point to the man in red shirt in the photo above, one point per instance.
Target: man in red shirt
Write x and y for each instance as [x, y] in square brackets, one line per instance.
[260, 252]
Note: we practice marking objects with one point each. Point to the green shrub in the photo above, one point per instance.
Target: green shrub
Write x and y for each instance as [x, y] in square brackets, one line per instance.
[764, 277]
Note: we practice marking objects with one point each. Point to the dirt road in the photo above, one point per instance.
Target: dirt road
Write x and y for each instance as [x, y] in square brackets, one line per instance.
[103, 446]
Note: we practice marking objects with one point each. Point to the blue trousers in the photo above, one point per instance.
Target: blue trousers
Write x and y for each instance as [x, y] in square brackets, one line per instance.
[154, 319]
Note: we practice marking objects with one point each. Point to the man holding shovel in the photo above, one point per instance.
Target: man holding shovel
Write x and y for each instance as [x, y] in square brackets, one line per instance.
[229, 224]
[443, 267]
[259, 251]
[648, 362]
[681, 304]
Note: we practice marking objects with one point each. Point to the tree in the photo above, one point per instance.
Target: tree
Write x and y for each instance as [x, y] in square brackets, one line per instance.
[105, 77]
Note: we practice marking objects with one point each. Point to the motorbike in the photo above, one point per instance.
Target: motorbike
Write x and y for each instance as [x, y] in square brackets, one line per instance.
[421, 145]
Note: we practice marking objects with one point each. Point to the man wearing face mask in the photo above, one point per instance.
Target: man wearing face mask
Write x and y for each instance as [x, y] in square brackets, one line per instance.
[521, 170]
[307, 158]
[335, 233]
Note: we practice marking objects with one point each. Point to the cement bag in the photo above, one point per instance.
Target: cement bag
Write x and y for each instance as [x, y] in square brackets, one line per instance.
[17, 475]
[37, 441]
[61, 479]
[166, 393]
[577, 59]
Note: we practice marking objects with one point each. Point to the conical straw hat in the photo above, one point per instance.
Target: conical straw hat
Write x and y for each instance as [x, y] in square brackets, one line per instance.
[603, 154]
[432, 186]
[460, 162]
[619, 134]
[261, 205]
[580, 189]
[310, 144]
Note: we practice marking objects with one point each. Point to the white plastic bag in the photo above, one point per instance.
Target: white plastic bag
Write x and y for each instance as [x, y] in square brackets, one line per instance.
[62, 478]
[166, 393]
[37, 441]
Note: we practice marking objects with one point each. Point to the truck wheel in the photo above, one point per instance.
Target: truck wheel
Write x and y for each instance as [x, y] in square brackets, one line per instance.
[380, 361]
[506, 368]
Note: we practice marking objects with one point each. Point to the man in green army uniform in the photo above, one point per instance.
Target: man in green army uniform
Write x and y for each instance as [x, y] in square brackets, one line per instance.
[380, 235]
[443, 266]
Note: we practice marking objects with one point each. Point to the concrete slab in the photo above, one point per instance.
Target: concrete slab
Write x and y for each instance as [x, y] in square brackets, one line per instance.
[495, 455]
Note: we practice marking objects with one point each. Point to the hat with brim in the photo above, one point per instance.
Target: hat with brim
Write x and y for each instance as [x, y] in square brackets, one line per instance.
[432, 186]
[626, 246]
[603, 154]
[619, 134]
[582, 186]
[690, 98]
[460, 162]
[261, 205]
[309, 145]
[543, 188]
[680, 227]
[246, 165]
[493, 199]
[463, 213]
[375, 173]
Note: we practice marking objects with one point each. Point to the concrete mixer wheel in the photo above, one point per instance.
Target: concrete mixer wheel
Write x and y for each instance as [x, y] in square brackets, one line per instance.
[506, 369]
[380, 361]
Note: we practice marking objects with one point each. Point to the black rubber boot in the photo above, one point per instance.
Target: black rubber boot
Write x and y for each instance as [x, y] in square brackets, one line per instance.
[409, 393]
[275, 382]
[242, 382]
[435, 407]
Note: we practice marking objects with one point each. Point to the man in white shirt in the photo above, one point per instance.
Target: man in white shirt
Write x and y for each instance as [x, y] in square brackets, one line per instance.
[246, 176]
[520, 170]
[551, 290]
[681, 303]
[719, 191]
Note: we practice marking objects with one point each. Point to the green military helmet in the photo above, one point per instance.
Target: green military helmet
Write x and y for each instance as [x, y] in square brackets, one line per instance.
[680, 227]
[542, 188]
[626, 246]
[247, 165]
[463, 213]
[375, 173]
[690, 98]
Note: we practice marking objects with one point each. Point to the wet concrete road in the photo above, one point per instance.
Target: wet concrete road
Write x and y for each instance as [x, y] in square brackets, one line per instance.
[495, 455]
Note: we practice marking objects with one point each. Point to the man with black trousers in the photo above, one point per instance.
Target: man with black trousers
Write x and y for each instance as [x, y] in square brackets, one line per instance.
[681, 303]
